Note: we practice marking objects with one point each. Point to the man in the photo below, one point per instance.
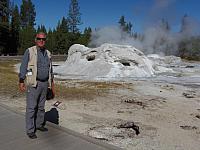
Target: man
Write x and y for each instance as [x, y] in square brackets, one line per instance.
[36, 68]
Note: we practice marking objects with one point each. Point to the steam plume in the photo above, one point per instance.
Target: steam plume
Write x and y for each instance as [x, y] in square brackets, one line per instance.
[156, 37]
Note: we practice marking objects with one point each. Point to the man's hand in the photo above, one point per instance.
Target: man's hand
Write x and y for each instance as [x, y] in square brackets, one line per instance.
[22, 87]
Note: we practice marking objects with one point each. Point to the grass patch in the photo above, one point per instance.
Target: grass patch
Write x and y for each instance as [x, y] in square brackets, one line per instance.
[9, 79]
[65, 89]
[70, 93]
[73, 89]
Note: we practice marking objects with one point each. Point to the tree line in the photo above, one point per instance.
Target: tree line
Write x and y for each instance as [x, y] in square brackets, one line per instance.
[17, 31]
[186, 41]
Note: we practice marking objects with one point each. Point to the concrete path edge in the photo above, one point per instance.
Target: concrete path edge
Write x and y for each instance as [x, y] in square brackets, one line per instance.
[71, 132]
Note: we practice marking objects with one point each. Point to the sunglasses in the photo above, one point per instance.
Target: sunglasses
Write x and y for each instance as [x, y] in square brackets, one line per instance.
[39, 39]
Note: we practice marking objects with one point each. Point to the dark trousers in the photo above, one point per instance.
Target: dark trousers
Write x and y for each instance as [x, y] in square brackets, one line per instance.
[35, 103]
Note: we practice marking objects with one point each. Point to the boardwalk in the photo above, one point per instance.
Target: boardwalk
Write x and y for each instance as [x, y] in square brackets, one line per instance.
[13, 137]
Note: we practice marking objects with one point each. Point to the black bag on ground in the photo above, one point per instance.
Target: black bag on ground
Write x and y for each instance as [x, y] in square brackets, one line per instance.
[50, 94]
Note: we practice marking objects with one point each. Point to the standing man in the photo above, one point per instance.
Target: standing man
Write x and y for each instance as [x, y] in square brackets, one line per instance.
[36, 68]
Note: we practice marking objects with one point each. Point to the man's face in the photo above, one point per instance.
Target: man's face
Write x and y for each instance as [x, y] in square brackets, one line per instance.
[40, 40]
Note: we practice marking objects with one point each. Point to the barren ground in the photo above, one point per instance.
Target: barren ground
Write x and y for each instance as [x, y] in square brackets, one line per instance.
[168, 115]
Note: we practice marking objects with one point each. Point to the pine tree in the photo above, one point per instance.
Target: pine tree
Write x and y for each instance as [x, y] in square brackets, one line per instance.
[50, 44]
[122, 23]
[74, 16]
[27, 13]
[41, 28]
[85, 37]
[183, 44]
[64, 25]
[4, 38]
[62, 42]
[4, 26]
[185, 24]
[15, 28]
[128, 28]
[4, 10]
[27, 36]
[27, 20]
[125, 27]
[164, 25]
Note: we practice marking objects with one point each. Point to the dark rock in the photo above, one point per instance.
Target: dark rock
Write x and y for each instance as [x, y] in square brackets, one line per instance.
[130, 125]
[186, 127]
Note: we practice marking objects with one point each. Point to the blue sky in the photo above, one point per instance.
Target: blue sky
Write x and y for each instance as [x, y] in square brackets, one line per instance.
[100, 13]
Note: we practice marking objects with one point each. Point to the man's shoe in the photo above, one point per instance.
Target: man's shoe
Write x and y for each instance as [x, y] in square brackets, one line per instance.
[43, 129]
[32, 135]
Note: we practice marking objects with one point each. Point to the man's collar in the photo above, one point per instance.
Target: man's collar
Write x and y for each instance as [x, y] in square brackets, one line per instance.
[38, 48]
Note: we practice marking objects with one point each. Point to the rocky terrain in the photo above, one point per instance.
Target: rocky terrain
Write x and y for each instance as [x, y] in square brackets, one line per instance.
[142, 114]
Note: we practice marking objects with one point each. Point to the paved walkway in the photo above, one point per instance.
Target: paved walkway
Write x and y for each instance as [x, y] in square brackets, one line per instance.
[13, 137]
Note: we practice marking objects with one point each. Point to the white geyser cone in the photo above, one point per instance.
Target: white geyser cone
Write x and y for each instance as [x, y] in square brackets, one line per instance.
[107, 61]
